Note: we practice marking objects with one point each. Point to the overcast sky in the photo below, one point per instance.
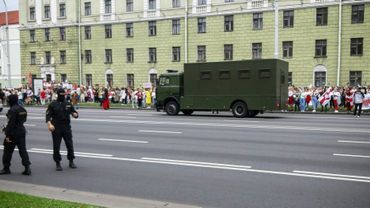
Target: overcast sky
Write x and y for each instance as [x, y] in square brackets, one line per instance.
[12, 5]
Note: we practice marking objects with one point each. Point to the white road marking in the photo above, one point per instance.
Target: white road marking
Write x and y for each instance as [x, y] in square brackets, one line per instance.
[332, 174]
[348, 155]
[160, 132]
[127, 117]
[30, 125]
[239, 120]
[354, 142]
[121, 140]
[195, 162]
[139, 114]
[77, 153]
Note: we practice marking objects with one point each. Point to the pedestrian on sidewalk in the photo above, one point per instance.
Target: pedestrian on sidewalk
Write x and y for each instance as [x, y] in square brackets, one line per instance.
[59, 124]
[357, 99]
[15, 135]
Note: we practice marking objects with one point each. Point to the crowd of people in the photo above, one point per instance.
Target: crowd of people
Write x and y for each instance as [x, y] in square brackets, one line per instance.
[76, 94]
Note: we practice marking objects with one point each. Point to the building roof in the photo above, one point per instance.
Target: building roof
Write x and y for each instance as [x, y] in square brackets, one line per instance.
[13, 18]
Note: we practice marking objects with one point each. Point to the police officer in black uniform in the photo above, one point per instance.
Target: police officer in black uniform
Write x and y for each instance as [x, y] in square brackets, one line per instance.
[59, 123]
[15, 135]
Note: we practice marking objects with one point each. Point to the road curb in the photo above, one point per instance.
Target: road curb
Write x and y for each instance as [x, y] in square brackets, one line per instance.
[105, 200]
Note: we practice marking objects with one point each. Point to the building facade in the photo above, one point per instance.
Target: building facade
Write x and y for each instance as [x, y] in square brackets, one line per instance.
[122, 43]
[14, 51]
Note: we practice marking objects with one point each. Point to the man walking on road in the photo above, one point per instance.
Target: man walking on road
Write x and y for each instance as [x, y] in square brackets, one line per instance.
[15, 135]
[59, 124]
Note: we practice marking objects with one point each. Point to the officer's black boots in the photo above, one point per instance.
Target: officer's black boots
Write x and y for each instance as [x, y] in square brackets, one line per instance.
[58, 167]
[5, 171]
[27, 170]
[72, 165]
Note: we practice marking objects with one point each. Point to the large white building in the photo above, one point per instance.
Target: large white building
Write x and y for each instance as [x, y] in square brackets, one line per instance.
[14, 50]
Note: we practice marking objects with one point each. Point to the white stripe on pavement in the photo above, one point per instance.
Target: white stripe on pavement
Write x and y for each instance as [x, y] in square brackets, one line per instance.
[348, 155]
[354, 142]
[331, 174]
[195, 162]
[79, 153]
[122, 140]
[30, 125]
[160, 132]
[127, 117]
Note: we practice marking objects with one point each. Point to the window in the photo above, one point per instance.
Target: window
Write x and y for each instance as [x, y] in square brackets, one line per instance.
[109, 80]
[201, 25]
[63, 57]
[152, 28]
[256, 50]
[176, 54]
[244, 74]
[129, 29]
[290, 78]
[356, 46]
[63, 77]
[320, 79]
[358, 13]
[175, 3]
[62, 10]
[62, 33]
[202, 2]
[152, 55]
[32, 14]
[33, 58]
[224, 75]
[107, 6]
[47, 57]
[228, 52]
[130, 55]
[87, 32]
[153, 79]
[206, 75]
[108, 56]
[175, 26]
[322, 16]
[264, 73]
[47, 34]
[288, 18]
[201, 53]
[48, 77]
[88, 79]
[108, 31]
[287, 49]
[87, 8]
[229, 23]
[152, 4]
[257, 21]
[320, 48]
[88, 57]
[47, 12]
[355, 78]
[129, 5]
[32, 36]
[130, 81]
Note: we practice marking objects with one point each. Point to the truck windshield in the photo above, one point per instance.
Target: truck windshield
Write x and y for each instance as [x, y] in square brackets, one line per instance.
[163, 81]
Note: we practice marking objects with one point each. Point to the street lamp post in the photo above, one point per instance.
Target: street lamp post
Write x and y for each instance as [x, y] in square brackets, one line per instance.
[7, 44]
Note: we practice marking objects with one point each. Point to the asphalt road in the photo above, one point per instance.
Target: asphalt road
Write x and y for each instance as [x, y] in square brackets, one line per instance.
[275, 160]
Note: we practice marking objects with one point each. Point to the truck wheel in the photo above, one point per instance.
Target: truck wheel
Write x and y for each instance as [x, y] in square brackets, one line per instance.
[252, 113]
[172, 108]
[239, 109]
[187, 112]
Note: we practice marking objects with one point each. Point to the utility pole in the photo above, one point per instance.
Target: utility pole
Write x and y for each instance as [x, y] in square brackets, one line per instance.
[7, 45]
[276, 36]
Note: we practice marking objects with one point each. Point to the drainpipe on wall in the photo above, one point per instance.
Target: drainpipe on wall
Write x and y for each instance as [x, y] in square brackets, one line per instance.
[186, 32]
[339, 41]
[79, 43]
[7, 46]
[276, 7]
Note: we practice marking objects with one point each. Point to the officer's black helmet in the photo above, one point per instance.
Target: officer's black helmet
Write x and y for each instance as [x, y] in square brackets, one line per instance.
[61, 91]
[13, 99]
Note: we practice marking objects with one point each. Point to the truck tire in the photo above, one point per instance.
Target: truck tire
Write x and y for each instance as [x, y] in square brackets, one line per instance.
[239, 109]
[187, 112]
[172, 108]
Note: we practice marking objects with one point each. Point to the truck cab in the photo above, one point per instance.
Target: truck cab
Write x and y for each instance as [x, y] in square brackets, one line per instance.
[169, 91]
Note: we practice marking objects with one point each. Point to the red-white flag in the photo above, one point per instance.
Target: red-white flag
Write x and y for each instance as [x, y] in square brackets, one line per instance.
[325, 98]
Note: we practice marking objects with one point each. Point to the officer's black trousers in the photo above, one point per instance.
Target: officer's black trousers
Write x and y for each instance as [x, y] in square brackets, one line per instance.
[64, 132]
[19, 142]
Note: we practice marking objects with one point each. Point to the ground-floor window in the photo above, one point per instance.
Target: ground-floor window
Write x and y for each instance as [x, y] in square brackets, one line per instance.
[153, 80]
[355, 78]
[320, 79]
[290, 78]
[110, 80]
[48, 78]
[131, 81]
[89, 80]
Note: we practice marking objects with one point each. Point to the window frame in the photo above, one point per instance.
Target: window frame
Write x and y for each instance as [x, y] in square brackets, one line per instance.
[228, 23]
[63, 57]
[358, 13]
[201, 53]
[176, 54]
[108, 31]
[228, 52]
[257, 21]
[288, 18]
[321, 46]
[62, 10]
[287, 47]
[322, 16]
[152, 55]
[176, 26]
[62, 34]
[257, 50]
[87, 32]
[129, 29]
[88, 57]
[129, 55]
[108, 56]
[152, 28]
[202, 24]
[32, 58]
[356, 46]
[87, 9]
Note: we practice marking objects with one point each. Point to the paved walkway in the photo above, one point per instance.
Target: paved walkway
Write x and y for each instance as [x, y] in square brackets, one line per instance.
[104, 200]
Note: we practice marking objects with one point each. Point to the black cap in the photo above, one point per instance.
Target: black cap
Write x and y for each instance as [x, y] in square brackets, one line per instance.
[13, 99]
[61, 91]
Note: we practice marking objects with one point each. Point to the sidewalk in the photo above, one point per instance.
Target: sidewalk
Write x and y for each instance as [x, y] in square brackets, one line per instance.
[110, 201]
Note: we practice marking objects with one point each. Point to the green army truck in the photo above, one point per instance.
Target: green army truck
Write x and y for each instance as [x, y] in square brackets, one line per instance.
[246, 87]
